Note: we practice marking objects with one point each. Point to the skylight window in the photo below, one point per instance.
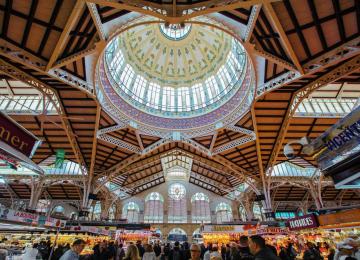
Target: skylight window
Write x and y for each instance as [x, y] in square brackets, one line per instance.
[175, 32]
[326, 107]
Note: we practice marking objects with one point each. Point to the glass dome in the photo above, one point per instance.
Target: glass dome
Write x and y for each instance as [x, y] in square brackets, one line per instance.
[187, 80]
[192, 76]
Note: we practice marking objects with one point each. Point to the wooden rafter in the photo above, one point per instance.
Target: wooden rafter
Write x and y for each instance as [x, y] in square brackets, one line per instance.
[276, 23]
[78, 8]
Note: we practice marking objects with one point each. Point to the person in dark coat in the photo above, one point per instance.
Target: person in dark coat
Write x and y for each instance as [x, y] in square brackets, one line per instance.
[176, 253]
[259, 250]
[140, 248]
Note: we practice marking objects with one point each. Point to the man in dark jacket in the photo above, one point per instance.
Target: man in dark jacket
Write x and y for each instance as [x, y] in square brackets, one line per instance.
[176, 253]
[259, 250]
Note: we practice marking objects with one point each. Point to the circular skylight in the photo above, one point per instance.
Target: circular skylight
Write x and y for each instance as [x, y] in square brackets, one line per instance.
[175, 32]
[175, 78]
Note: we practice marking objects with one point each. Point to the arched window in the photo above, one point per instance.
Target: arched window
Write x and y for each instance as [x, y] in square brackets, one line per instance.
[177, 204]
[96, 211]
[112, 211]
[177, 234]
[154, 208]
[242, 213]
[257, 211]
[131, 212]
[223, 213]
[43, 206]
[59, 210]
[200, 208]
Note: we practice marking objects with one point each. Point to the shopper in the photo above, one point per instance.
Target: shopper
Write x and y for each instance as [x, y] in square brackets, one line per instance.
[331, 255]
[244, 250]
[102, 252]
[259, 250]
[157, 249]
[3, 252]
[132, 253]
[73, 253]
[203, 250]
[32, 253]
[166, 252]
[291, 252]
[176, 253]
[120, 252]
[283, 255]
[195, 252]
[140, 248]
[58, 252]
[186, 251]
[311, 252]
[149, 253]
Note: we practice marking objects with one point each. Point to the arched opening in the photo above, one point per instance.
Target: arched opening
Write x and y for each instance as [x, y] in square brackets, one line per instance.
[200, 208]
[177, 234]
[223, 213]
[130, 212]
[154, 208]
[96, 211]
[242, 213]
[43, 206]
[59, 210]
[112, 211]
[177, 204]
[257, 211]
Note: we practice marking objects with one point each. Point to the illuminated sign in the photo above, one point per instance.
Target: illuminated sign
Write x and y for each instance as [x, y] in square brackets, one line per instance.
[307, 221]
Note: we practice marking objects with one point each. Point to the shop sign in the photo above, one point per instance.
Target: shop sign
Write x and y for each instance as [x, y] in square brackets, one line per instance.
[16, 136]
[339, 218]
[267, 230]
[18, 216]
[53, 222]
[222, 228]
[307, 221]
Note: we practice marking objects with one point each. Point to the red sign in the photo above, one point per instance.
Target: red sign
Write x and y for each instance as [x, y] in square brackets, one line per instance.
[15, 136]
[306, 221]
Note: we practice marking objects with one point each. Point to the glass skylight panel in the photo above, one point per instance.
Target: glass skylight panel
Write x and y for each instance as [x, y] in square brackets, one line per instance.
[331, 107]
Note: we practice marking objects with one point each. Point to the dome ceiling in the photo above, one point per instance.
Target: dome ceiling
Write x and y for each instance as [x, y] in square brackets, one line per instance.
[176, 63]
[191, 79]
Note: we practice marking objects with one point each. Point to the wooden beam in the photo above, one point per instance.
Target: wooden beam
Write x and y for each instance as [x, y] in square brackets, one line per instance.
[206, 7]
[213, 140]
[76, 11]
[141, 145]
[278, 27]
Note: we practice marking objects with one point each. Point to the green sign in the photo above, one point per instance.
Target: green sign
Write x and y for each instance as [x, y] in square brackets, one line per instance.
[60, 156]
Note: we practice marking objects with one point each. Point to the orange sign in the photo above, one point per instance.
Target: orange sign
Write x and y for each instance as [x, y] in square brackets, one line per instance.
[342, 217]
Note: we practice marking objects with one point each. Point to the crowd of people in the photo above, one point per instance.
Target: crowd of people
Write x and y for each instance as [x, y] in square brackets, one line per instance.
[248, 248]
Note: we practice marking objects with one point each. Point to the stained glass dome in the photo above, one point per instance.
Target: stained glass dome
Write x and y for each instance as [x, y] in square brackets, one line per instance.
[162, 76]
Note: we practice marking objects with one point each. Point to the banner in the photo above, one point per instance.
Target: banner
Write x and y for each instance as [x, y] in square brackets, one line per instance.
[60, 157]
[303, 222]
[16, 136]
[30, 218]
